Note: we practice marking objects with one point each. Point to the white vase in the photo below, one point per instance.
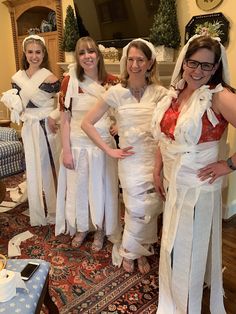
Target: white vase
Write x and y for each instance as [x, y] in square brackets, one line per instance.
[164, 53]
[69, 56]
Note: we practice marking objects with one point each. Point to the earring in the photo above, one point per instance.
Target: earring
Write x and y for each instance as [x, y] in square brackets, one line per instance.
[147, 74]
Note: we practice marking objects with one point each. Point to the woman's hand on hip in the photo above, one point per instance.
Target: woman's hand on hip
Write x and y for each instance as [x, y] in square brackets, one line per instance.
[213, 171]
[120, 153]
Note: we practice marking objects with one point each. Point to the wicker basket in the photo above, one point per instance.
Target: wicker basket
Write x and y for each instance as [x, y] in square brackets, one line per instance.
[3, 261]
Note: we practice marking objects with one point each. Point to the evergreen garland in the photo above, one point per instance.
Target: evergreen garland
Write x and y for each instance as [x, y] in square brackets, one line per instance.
[71, 31]
[165, 28]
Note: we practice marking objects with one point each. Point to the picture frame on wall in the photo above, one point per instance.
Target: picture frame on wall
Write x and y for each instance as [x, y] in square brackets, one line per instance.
[214, 25]
[207, 5]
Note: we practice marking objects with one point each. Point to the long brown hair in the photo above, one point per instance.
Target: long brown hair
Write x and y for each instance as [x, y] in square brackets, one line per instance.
[45, 62]
[87, 43]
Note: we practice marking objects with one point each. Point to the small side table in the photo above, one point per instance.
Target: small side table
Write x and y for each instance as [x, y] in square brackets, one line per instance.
[30, 303]
[5, 122]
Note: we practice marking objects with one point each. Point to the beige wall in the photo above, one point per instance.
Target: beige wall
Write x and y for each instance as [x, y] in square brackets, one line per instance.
[7, 63]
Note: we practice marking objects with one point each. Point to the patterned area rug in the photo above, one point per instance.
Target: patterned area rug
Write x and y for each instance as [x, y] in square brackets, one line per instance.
[82, 281]
[12, 196]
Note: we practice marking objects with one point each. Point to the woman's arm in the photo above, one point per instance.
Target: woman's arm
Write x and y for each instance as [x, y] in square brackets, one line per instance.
[51, 79]
[157, 175]
[65, 138]
[224, 103]
[87, 126]
[54, 117]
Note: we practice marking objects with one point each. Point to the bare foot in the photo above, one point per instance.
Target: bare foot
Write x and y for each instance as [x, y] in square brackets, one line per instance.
[98, 240]
[143, 265]
[128, 265]
[78, 239]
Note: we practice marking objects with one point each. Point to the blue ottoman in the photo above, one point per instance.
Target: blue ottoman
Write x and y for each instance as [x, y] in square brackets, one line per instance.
[30, 302]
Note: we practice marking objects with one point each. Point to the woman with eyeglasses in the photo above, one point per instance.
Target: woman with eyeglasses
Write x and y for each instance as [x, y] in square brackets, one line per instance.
[134, 100]
[87, 198]
[190, 122]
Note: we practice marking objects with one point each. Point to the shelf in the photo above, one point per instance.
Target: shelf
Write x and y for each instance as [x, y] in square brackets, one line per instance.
[32, 18]
[165, 69]
[26, 14]
[39, 34]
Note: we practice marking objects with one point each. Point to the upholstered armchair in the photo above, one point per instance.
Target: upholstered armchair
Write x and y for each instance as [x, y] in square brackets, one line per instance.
[11, 152]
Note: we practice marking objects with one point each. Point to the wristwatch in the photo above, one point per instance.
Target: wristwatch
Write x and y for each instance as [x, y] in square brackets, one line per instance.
[230, 163]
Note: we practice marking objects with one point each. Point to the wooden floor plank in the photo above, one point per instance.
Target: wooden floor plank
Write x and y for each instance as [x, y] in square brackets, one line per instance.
[229, 262]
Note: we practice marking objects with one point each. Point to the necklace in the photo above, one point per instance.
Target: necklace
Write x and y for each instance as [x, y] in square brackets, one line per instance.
[138, 92]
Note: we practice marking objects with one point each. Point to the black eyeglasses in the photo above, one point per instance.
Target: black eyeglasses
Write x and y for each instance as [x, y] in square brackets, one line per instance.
[205, 66]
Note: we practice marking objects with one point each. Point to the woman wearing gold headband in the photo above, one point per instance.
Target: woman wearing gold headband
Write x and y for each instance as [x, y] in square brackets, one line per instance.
[134, 100]
[35, 86]
[189, 123]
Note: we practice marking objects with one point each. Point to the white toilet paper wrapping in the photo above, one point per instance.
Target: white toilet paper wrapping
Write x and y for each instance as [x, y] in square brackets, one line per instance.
[9, 281]
[14, 243]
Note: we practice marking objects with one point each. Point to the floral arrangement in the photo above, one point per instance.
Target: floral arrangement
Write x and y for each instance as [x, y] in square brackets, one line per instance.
[210, 29]
[110, 53]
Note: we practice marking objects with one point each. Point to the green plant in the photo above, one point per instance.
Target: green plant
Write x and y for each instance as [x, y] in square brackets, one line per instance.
[165, 28]
[71, 30]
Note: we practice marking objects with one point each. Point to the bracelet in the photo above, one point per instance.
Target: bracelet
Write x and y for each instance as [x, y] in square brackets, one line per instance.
[230, 163]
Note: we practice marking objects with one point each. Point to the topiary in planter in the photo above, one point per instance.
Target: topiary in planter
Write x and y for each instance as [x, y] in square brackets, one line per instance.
[165, 28]
[71, 31]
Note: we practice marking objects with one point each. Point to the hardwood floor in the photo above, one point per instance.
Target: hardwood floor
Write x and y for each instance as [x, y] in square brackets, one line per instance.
[229, 262]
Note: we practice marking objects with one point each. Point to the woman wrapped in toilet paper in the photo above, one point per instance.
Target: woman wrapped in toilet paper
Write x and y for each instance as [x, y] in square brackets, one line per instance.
[134, 100]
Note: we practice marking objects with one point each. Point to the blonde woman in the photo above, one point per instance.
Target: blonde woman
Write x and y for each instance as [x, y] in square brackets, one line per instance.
[134, 100]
